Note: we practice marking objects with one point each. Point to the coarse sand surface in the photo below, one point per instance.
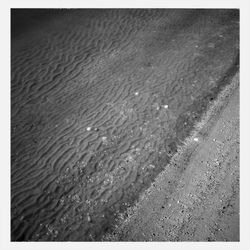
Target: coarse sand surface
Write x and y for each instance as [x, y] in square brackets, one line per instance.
[197, 197]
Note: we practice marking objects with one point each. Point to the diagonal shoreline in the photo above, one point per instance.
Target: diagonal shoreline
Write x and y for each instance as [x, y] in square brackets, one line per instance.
[100, 103]
[196, 198]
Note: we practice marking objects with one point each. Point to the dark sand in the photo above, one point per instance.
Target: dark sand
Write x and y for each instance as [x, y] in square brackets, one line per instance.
[100, 102]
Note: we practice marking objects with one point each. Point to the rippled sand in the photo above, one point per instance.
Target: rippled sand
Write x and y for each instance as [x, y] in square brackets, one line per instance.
[100, 101]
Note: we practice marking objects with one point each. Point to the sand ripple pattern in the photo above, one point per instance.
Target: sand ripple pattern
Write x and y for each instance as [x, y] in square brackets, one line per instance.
[100, 101]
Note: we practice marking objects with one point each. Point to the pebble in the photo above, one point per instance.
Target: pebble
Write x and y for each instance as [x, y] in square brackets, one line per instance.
[104, 139]
[88, 218]
[136, 93]
[165, 106]
[88, 128]
[196, 139]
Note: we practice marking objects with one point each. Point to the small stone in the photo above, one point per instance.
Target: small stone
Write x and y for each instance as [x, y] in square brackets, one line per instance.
[88, 218]
[196, 139]
[104, 139]
[88, 128]
[165, 106]
[211, 45]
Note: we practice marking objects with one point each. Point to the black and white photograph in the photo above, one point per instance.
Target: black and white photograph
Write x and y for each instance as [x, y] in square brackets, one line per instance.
[124, 124]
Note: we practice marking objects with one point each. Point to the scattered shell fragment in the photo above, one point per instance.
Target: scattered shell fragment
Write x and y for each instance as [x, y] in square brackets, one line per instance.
[136, 93]
[196, 139]
[151, 166]
[88, 128]
[165, 106]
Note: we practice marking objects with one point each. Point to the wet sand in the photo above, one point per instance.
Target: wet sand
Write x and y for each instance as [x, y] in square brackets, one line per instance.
[197, 197]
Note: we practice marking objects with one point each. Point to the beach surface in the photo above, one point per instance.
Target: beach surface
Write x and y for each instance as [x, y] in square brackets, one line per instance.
[101, 101]
[196, 198]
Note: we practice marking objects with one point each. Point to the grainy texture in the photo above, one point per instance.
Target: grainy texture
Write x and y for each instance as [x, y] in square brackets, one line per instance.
[196, 198]
[100, 100]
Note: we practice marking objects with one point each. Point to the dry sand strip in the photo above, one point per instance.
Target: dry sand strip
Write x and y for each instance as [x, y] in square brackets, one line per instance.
[196, 198]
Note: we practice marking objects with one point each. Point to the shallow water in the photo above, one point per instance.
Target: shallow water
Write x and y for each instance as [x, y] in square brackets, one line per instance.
[100, 100]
